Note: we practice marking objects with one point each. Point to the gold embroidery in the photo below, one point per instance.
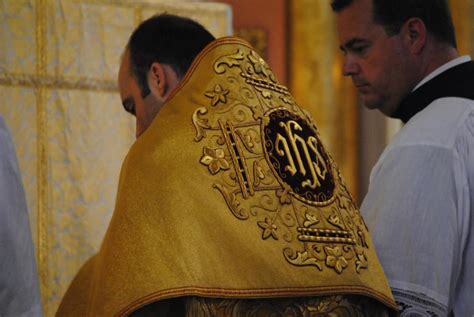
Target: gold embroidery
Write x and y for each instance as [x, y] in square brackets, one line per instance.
[284, 195]
[335, 259]
[232, 202]
[361, 262]
[217, 95]
[258, 173]
[302, 259]
[200, 124]
[317, 169]
[335, 220]
[215, 160]
[325, 235]
[310, 220]
[279, 172]
[229, 60]
[319, 306]
[269, 229]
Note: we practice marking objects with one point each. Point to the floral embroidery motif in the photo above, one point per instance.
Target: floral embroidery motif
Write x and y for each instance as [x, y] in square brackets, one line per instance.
[335, 259]
[361, 262]
[284, 195]
[310, 220]
[335, 221]
[269, 229]
[218, 95]
[259, 65]
[215, 160]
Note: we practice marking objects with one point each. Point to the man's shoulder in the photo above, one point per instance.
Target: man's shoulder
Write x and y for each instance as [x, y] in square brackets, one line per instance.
[438, 125]
[438, 134]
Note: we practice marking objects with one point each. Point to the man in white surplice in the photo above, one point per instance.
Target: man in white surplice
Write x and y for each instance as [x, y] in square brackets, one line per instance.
[19, 291]
[403, 60]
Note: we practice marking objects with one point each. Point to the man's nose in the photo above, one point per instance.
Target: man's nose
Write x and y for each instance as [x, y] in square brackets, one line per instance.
[350, 67]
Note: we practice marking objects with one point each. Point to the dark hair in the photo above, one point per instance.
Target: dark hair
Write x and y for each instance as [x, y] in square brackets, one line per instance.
[167, 39]
[391, 14]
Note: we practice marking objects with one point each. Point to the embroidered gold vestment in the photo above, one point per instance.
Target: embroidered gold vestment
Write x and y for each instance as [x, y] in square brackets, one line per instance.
[230, 194]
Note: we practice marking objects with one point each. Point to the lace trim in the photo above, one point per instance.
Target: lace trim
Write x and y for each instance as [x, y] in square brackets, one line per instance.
[414, 304]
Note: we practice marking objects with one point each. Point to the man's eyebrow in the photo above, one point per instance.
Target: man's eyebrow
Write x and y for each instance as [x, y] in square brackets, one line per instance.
[129, 105]
[351, 43]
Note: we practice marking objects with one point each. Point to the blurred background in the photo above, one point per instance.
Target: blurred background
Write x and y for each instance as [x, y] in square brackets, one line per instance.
[58, 66]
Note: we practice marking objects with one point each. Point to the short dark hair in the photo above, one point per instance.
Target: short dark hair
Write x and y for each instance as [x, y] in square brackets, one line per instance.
[167, 39]
[391, 14]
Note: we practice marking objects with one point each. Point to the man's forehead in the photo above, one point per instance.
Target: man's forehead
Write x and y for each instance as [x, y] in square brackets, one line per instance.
[355, 23]
[359, 11]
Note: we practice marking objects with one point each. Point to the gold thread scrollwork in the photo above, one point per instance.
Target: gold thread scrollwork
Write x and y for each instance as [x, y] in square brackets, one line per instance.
[310, 220]
[265, 93]
[344, 200]
[260, 66]
[336, 221]
[229, 60]
[361, 262]
[234, 205]
[258, 174]
[362, 239]
[259, 115]
[284, 195]
[247, 141]
[200, 124]
[286, 99]
[301, 259]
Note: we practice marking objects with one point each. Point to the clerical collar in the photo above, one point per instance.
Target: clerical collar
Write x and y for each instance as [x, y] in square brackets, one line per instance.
[446, 81]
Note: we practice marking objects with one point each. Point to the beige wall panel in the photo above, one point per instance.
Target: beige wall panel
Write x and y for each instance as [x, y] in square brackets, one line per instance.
[17, 30]
[83, 38]
[216, 18]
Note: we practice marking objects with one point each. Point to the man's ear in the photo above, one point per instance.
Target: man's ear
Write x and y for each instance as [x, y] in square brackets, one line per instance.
[157, 79]
[414, 31]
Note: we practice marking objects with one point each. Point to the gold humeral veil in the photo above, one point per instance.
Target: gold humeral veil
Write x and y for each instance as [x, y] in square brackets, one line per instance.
[229, 194]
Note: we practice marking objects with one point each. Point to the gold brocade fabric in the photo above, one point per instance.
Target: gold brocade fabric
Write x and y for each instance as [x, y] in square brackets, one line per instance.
[319, 306]
[335, 305]
[229, 193]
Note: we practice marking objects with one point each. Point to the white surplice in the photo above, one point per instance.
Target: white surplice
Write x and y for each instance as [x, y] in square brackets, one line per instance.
[19, 291]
